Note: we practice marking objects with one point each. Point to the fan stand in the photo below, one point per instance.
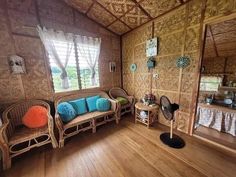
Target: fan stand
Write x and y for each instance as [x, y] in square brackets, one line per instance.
[171, 139]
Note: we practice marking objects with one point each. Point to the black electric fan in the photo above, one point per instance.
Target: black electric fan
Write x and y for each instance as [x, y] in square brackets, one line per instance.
[168, 110]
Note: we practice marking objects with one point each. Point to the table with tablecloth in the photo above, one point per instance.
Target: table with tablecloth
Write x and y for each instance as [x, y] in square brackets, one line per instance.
[217, 117]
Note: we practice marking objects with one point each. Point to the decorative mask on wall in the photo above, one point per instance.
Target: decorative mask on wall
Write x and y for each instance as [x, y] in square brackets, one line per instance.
[17, 64]
[112, 66]
[183, 62]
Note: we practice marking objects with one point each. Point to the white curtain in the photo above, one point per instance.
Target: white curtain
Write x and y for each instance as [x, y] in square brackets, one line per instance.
[89, 50]
[50, 39]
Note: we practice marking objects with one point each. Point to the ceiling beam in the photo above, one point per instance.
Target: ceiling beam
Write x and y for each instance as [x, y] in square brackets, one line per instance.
[136, 5]
[117, 19]
[142, 9]
[213, 41]
[90, 7]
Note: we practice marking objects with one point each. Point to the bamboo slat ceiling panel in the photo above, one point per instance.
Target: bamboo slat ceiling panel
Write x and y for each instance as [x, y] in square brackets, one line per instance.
[221, 39]
[121, 16]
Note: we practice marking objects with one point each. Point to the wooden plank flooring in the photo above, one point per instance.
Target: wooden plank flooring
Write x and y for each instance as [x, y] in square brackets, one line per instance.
[216, 136]
[127, 149]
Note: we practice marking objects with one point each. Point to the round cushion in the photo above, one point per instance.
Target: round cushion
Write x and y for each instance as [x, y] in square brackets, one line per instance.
[103, 104]
[66, 111]
[35, 117]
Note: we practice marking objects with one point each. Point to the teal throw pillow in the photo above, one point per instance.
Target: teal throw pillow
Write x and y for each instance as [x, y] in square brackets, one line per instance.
[103, 104]
[91, 103]
[79, 105]
[66, 111]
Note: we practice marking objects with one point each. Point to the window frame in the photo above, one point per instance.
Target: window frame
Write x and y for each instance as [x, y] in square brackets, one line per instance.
[211, 76]
[77, 73]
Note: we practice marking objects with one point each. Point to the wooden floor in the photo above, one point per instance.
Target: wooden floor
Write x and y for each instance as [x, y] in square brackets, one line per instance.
[126, 149]
[216, 136]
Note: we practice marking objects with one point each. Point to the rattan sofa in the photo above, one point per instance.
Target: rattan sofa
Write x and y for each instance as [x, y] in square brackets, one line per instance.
[86, 121]
[16, 139]
[119, 92]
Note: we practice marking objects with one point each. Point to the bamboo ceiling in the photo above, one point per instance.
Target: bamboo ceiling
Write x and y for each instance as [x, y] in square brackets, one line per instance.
[221, 39]
[121, 16]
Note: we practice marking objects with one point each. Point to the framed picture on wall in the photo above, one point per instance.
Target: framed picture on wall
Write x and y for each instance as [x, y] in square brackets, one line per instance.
[152, 47]
[17, 64]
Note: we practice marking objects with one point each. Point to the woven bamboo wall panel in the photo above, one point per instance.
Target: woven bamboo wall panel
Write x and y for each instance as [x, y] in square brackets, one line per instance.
[22, 6]
[128, 83]
[178, 33]
[32, 46]
[6, 48]
[140, 52]
[56, 12]
[171, 44]
[170, 23]
[194, 12]
[141, 85]
[23, 22]
[11, 89]
[183, 122]
[192, 39]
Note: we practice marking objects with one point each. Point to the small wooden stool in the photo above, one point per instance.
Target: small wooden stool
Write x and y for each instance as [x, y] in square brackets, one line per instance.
[152, 113]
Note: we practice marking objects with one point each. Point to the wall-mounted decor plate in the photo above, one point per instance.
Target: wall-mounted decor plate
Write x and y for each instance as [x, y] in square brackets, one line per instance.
[182, 62]
[133, 67]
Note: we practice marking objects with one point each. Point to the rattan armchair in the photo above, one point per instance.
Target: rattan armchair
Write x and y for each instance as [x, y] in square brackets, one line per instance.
[16, 139]
[119, 92]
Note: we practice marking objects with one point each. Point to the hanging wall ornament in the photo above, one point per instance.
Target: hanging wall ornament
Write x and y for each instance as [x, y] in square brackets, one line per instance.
[182, 62]
[133, 67]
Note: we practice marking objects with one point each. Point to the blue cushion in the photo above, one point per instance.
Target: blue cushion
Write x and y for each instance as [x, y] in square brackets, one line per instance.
[103, 104]
[66, 111]
[79, 105]
[91, 102]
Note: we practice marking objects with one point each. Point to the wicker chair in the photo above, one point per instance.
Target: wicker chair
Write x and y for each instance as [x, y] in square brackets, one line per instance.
[86, 121]
[116, 92]
[16, 139]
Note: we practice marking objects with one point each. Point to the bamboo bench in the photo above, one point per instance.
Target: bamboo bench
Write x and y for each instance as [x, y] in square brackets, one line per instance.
[87, 121]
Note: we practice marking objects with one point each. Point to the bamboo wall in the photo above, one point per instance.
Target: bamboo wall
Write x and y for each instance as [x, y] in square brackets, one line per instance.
[179, 33]
[18, 35]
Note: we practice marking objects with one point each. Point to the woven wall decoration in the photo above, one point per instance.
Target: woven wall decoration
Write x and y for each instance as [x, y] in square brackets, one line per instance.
[182, 62]
[133, 67]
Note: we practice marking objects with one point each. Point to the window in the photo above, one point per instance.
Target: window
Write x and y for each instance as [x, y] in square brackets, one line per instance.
[73, 59]
[210, 83]
[89, 76]
[80, 74]
[71, 69]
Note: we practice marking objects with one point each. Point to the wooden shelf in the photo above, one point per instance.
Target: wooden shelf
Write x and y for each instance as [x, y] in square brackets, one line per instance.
[227, 88]
[206, 74]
